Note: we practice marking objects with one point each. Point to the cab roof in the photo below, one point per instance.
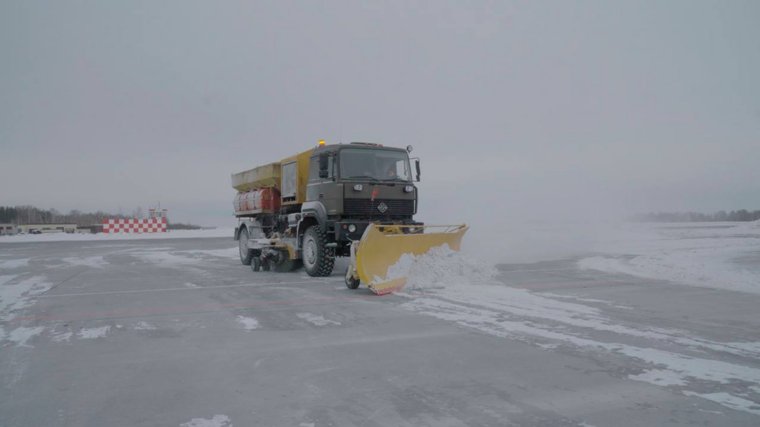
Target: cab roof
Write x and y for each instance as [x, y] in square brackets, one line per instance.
[360, 145]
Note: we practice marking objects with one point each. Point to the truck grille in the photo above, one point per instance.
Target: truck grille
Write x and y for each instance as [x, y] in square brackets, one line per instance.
[379, 208]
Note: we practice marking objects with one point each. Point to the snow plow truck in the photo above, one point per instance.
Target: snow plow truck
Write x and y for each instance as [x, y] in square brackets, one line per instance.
[352, 200]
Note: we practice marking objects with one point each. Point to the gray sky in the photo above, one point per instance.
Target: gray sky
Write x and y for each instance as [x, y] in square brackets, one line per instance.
[603, 108]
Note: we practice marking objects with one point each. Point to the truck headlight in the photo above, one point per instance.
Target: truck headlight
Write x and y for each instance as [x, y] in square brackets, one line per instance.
[408, 189]
[351, 228]
[358, 187]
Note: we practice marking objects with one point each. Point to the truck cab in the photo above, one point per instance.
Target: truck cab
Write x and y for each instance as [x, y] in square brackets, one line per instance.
[352, 185]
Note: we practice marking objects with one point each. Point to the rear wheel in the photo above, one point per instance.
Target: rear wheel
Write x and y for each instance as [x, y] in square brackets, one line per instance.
[256, 264]
[318, 259]
[246, 255]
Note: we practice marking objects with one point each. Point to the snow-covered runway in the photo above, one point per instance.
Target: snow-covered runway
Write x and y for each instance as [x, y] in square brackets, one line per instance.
[177, 332]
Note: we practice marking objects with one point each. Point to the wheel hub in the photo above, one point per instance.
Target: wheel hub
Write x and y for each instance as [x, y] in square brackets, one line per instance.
[311, 252]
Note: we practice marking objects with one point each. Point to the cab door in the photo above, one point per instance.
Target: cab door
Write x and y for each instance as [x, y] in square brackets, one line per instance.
[325, 189]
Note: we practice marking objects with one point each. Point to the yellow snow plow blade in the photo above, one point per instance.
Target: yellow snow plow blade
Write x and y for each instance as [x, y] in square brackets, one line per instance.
[375, 259]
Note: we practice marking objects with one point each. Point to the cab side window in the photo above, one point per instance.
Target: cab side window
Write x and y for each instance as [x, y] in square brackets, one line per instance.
[314, 168]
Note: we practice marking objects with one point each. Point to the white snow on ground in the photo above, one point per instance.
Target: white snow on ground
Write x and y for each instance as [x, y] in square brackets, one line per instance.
[65, 237]
[16, 296]
[730, 401]
[92, 333]
[449, 286]
[92, 261]
[661, 377]
[703, 254]
[7, 294]
[22, 335]
[144, 326]
[187, 258]
[221, 253]
[166, 259]
[316, 319]
[249, 323]
[191, 285]
[14, 263]
[62, 337]
[216, 421]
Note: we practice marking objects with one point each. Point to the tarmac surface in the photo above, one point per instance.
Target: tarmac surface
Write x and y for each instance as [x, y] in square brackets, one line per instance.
[179, 333]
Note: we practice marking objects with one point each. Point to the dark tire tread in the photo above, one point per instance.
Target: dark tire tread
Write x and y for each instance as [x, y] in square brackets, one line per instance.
[245, 259]
[325, 256]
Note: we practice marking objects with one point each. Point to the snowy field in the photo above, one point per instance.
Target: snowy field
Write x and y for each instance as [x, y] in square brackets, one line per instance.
[101, 237]
[633, 324]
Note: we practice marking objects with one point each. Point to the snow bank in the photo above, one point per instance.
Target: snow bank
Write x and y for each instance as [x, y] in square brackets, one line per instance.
[712, 255]
[64, 237]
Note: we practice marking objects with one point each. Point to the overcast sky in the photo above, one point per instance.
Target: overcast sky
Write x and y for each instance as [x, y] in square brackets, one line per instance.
[516, 108]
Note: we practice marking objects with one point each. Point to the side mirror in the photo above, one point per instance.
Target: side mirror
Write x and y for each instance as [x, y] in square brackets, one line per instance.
[323, 165]
[417, 165]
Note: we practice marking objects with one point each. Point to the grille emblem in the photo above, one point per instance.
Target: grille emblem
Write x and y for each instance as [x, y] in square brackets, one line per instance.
[382, 207]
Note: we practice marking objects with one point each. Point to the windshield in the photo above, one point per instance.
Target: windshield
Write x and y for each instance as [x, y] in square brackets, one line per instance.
[382, 165]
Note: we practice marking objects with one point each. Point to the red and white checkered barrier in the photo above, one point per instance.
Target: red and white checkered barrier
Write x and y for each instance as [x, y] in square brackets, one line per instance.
[134, 225]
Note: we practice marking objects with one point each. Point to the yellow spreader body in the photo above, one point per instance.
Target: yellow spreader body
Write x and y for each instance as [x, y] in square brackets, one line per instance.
[382, 246]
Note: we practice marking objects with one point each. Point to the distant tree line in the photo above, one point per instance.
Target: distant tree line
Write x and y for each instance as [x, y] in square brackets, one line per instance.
[21, 215]
[740, 215]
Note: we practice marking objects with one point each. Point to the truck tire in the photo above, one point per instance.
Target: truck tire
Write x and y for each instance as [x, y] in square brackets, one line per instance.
[318, 260]
[246, 255]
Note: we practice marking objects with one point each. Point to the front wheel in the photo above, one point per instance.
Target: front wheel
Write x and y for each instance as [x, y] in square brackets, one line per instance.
[318, 259]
